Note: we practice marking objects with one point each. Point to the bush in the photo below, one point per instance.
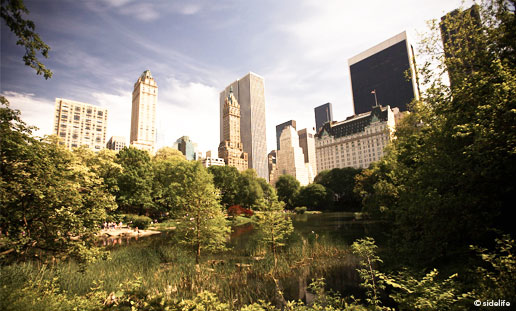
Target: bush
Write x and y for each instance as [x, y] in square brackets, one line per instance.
[300, 210]
[237, 210]
[142, 222]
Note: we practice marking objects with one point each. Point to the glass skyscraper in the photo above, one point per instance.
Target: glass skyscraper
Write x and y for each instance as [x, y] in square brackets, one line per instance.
[386, 69]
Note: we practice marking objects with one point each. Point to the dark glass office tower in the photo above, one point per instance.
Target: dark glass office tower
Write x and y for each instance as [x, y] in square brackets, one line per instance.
[388, 69]
[458, 30]
[323, 114]
[279, 129]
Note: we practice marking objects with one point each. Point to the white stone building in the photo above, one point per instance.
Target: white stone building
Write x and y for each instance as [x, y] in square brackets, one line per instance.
[355, 142]
[290, 158]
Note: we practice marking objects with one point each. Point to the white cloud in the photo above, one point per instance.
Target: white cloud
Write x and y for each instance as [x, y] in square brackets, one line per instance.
[119, 112]
[34, 111]
[188, 109]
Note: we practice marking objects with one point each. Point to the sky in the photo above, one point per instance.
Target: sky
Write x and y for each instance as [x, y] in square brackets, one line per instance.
[194, 49]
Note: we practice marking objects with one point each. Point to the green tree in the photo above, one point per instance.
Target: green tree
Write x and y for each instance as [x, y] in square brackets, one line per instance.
[454, 157]
[250, 192]
[202, 223]
[226, 179]
[169, 154]
[274, 227]
[287, 188]
[12, 12]
[314, 197]
[52, 204]
[135, 181]
[103, 164]
[341, 182]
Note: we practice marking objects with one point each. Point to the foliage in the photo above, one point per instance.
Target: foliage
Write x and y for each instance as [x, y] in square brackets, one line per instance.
[137, 221]
[169, 154]
[135, 181]
[427, 293]
[340, 183]
[287, 187]
[274, 227]
[52, 205]
[498, 275]
[373, 283]
[250, 192]
[447, 181]
[203, 225]
[315, 197]
[12, 12]
[226, 179]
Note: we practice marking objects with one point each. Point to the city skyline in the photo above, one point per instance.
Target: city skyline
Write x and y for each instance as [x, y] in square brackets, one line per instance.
[97, 48]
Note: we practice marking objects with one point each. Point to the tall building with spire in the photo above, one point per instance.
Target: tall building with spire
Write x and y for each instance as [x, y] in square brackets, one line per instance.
[249, 91]
[231, 148]
[143, 115]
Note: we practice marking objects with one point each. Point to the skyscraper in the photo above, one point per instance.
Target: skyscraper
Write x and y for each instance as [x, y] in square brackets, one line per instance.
[307, 143]
[323, 114]
[230, 148]
[279, 129]
[383, 69]
[290, 159]
[249, 91]
[143, 115]
[79, 124]
[186, 146]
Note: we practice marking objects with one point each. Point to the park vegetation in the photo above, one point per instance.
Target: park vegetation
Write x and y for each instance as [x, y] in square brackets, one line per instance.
[445, 184]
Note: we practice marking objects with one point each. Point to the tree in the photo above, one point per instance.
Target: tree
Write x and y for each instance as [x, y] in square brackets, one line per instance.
[454, 157]
[287, 188]
[11, 12]
[51, 204]
[274, 227]
[135, 181]
[341, 182]
[203, 225]
[250, 192]
[170, 154]
[226, 179]
[314, 197]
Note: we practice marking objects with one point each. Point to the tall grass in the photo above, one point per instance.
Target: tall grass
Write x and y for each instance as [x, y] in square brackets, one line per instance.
[238, 276]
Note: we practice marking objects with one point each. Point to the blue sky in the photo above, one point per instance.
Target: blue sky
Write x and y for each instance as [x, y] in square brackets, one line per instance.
[196, 48]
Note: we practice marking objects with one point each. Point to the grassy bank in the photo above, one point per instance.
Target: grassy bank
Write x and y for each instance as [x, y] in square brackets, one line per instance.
[238, 276]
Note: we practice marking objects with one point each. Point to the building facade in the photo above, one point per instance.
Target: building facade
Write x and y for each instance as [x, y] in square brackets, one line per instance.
[186, 146]
[279, 129]
[290, 159]
[143, 113]
[355, 142]
[307, 143]
[273, 168]
[231, 149]
[209, 161]
[116, 143]
[383, 69]
[78, 124]
[323, 114]
[249, 91]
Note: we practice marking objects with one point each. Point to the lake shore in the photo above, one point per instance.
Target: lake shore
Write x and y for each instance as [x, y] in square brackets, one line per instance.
[126, 232]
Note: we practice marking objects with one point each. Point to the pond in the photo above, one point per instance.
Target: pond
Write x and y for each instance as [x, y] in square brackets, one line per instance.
[336, 228]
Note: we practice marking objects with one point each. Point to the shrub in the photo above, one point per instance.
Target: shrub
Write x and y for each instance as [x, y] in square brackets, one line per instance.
[300, 210]
[142, 222]
[237, 210]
